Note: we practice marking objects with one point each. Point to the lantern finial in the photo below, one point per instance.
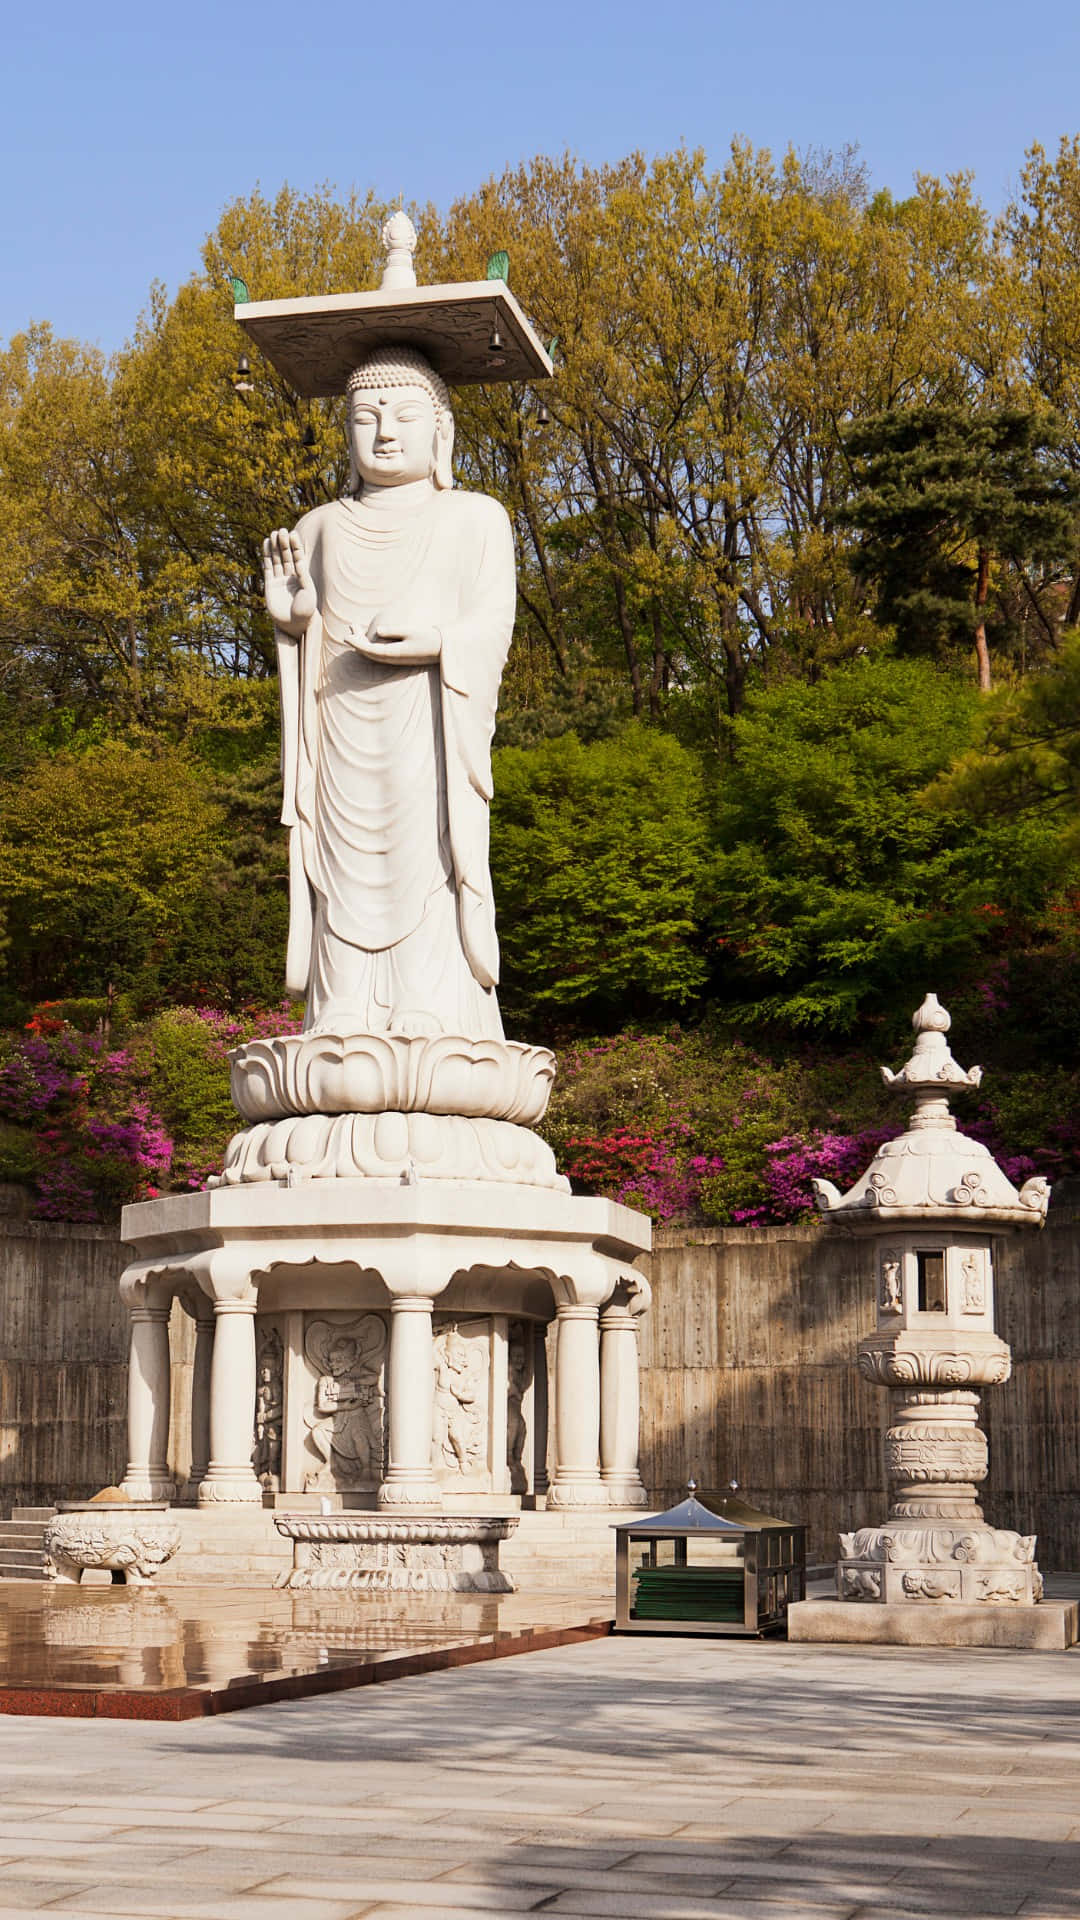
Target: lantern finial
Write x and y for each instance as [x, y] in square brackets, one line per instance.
[931, 1017]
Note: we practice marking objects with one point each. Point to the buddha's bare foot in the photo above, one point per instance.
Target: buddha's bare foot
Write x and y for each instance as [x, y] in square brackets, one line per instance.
[414, 1025]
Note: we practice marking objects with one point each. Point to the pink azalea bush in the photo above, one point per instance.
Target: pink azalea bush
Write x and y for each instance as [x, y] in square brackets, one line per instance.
[89, 1125]
[660, 1174]
[97, 1142]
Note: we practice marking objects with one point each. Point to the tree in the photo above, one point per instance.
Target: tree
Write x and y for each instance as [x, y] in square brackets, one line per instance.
[596, 857]
[1038, 238]
[835, 890]
[102, 854]
[939, 496]
[1026, 755]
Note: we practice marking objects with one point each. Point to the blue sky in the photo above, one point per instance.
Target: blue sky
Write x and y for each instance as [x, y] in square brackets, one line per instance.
[126, 128]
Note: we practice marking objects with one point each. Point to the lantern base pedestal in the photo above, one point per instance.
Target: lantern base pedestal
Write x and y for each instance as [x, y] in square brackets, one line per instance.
[1050, 1627]
[956, 1560]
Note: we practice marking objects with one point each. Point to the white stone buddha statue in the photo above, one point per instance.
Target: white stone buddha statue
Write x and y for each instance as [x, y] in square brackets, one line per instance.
[393, 609]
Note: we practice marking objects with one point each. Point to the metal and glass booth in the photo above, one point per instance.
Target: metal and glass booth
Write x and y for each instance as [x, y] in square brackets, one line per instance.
[728, 1569]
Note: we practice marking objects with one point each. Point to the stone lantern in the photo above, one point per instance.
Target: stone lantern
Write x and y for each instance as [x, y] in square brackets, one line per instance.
[932, 1201]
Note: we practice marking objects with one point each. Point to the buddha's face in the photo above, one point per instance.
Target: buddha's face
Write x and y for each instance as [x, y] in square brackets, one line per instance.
[393, 434]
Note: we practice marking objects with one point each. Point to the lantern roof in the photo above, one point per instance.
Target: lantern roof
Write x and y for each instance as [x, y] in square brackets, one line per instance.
[471, 332]
[933, 1172]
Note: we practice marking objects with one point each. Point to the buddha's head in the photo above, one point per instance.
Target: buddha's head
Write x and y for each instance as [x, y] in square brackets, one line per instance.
[401, 427]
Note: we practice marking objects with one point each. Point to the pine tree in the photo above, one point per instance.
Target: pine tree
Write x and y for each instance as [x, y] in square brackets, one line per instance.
[941, 496]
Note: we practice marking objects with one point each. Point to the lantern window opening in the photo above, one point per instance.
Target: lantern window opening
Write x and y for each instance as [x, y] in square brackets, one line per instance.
[930, 1271]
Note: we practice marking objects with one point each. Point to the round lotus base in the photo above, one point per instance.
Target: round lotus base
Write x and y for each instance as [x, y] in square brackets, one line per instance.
[130, 1540]
[401, 1147]
[969, 1563]
[365, 1553]
[390, 1073]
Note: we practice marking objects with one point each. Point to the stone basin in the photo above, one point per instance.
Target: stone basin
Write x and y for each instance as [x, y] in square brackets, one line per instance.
[130, 1539]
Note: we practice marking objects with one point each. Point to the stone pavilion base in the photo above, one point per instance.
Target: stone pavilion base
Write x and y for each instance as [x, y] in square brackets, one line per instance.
[1049, 1627]
[386, 1345]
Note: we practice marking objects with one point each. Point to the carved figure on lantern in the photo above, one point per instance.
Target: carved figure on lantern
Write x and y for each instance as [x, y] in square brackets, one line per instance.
[974, 1300]
[891, 1297]
[394, 609]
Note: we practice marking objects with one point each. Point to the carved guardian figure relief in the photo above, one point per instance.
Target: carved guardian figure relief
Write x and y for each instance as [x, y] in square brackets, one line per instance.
[890, 1298]
[345, 1418]
[516, 1387]
[269, 1407]
[459, 1443]
[974, 1287]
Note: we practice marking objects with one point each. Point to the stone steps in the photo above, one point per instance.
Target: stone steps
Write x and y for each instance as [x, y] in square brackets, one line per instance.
[22, 1543]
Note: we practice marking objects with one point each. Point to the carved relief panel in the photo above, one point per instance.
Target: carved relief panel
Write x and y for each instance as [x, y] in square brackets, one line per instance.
[344, 1412]
[973, 1298]
[890, 1288]
[460, 1450]
[269, 1404]
[519, 1397]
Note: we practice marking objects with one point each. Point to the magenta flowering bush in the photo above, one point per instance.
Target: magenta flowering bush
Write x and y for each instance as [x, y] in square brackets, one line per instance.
[234, 1029]
[659, 1174]
[793, 1163]
[90, 1125]
[94, 1140]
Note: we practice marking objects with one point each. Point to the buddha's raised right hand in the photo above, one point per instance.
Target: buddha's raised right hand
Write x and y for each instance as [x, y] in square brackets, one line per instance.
[290, 590]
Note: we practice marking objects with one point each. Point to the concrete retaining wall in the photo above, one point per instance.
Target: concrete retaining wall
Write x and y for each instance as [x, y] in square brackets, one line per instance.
[747, 1374]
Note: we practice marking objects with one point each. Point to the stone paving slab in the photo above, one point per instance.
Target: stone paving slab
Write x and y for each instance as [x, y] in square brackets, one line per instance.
[653, 1780]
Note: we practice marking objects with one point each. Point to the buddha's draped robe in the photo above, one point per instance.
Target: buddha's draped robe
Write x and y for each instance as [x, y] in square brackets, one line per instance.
[388, 769]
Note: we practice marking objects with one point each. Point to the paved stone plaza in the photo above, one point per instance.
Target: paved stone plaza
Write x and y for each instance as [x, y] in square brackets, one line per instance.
[660, 1779]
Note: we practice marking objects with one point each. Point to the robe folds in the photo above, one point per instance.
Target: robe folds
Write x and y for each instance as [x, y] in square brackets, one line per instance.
[387, 770]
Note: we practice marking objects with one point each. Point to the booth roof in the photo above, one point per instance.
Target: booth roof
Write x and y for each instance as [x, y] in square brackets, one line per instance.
[693, 1516]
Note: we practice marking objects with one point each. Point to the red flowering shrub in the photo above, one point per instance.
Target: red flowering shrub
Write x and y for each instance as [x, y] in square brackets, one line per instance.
[659, 1174]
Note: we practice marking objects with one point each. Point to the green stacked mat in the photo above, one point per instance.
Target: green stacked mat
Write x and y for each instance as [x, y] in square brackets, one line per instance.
[689, 1593]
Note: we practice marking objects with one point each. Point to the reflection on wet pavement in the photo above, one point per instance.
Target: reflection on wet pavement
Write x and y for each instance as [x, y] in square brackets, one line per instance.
[144, 1641]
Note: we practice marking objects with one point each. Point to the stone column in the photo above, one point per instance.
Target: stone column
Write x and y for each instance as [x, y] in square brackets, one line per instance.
[202, 1362]
[411, 1394]
[620, 1406]
[577, 1480]
[538, 1432]
[935, 1458]
[230, 1477]
[149, 1387]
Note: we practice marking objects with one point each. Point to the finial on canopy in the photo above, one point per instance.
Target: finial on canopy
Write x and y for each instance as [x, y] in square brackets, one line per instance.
[399, 239]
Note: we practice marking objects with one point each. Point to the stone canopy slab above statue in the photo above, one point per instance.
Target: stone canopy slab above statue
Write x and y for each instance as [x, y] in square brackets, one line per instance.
[471, 332]
[316, 343]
